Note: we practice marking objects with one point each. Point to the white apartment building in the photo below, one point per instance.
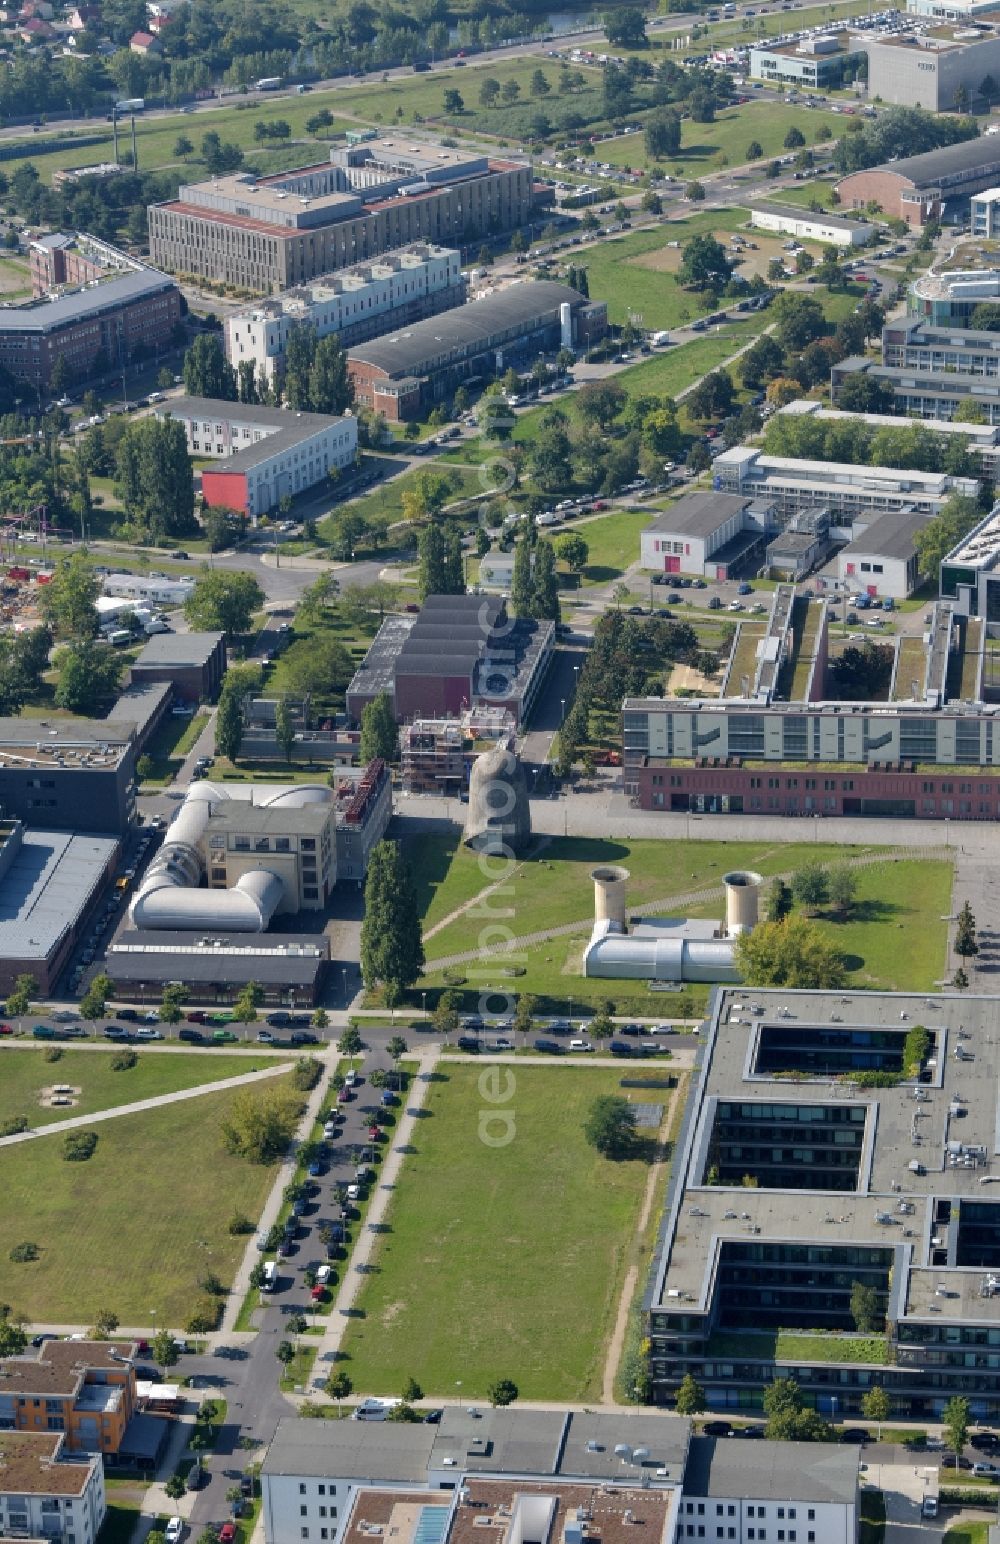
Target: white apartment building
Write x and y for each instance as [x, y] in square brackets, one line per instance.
[356, 303]
[46, 1495]
[769, 1493]
[985, 213]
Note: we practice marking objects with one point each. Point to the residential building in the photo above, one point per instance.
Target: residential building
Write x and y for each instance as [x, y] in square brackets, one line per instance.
[460, 652]
[882, 559]
[402, 375]
[269, 451]
[51, 883]
[940, 68]
[267, 234]
[848, 491]
[83, 1389]
[68, 774]
[833, 229]
[709, 533]
[782, 738]
[922, 394]
[108, 321]
[796, 1492]
[193, 663]
[144, 43]
[880, 1185]
[929, 186]
[826, 60]
[984, 211]
[46, 1494]
[394, 290]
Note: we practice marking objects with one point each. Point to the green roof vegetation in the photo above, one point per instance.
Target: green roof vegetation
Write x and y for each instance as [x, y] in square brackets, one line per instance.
[911, 665]
[799, 1346]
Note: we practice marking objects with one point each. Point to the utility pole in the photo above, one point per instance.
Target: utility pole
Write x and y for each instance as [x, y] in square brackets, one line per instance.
[135, 150]
[114, 128]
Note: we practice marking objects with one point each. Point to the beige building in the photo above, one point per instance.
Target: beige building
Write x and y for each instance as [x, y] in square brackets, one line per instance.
[299, 845]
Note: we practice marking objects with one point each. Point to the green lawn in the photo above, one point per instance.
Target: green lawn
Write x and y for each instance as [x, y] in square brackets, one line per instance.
[650, 291]
[535, 1297]
[23, 1073]
[613, 541]
[815, 189]
[170, 744]
[968, 1532]
[709, 146]
[135, 1227]
[384, 504]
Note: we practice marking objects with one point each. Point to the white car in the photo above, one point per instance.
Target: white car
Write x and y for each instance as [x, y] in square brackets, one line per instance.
[580, 1045]
[151, 1016]
[174, 1530]
[354, 1192]
[323, 1275]
[146, 1032]
[350, 1078]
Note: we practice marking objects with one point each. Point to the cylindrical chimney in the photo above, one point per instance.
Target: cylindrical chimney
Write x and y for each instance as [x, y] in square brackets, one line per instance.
[609, 896]
[742, 886]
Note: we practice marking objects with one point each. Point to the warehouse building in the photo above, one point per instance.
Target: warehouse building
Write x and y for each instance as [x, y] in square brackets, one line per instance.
[268, 234]
[823, 61]
[50, 883]
[116, 318]
[784, 1197]
[41, 1488]
[932, 186]
[882, 559]
[357, 303]
[402, 375]
[290, 968]
[934, 69]
[833, 229]
[269, 451]
[192, 663]
[707, 533]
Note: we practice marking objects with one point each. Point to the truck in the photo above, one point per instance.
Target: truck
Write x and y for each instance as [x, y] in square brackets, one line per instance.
[269, 83]
[130, 105]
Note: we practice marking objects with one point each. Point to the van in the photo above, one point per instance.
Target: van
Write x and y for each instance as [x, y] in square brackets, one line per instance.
[270, 1280]
[374, 1409]
[121, 635]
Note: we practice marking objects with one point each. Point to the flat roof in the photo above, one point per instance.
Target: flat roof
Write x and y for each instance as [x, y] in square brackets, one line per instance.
[308, 819]
[700, 514]
[60, 742]
[413, 349]
[772, 1471]
[59, 1366]
[285, 428]
[31, 1465]
[980, 549]
[192, 649]
[50, 882]
[357, 1450]
[808, 216]
[106, 294]
[890, 536]
[540, 1509]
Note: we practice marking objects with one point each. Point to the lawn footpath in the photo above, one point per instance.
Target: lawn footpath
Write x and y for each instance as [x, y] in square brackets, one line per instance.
[24, 1073]
[506, 1242]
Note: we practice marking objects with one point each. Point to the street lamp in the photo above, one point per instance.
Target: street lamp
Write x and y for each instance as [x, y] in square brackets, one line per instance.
[951, 917]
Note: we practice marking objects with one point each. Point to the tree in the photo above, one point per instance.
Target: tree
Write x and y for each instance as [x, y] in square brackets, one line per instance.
[163, 1350]
[396, 1048]
[843, 888]
[610, 1126]
[207, 371]
[285, 1352]
[320, 1018]
[434, 577]
[539, 85]
[510, 91]
[544, 593]
[966, 943]
[19, 1000]
[94, 1000]
[811, 885]
[105, 1324]
[690, 1398]
[88, 676]
[489, 91]
[153, 479]
[520, 585]
[713, 395]
[246, 1004]
[176, 1487]
[284, 727]
[754, 150]
[350, 1042]
[453, 103]
[663, 133]
[392, 950]
[379, 731]
[764, 359]
[260, 1124]
[445, 1015]
[13, 1339]
[412, 1391]
[524, 1015]
[502, 1392]
[573, 551]
[798, 320]
[223, 601]
[936, 537]
[228, 725]
[787, 1419]
[331, 389]
[960, 980]
[778, 902]
[865, 1311]
[829, 270]
[220, 526]
[600, 402]
[792, 953]
[876, 1406]
[794, 138]
[68, 601]
[955, 1425]
[338, 1385]
[694, 192]
[300, 350]
[704, 264]
[182, 147]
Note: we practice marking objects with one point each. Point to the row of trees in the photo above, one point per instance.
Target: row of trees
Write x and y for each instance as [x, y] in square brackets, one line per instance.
[314, 378]
[908, 444]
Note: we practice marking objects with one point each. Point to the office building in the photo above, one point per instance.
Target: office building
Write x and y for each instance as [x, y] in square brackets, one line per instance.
[51, 882]
[84, 1389]
[106, 324]
[783, 737]
[269, 451]
[921, 394]
[984, 209]
[192, 663]
[929, 186]
[882, 559]
[833, 229]
[950, 10]
[849, 492]
[268, 234]
[970, 574]
[216, 964]
[939, 69]
[44, 1494]
[949, 292]
[807, 1493]
[709, 533]
[977, 439]
[460, 652]
[913, 344]
[68, 774]
[394, 290]
[75, 258]
[405, 373]
[882, 1185]
[823, 61]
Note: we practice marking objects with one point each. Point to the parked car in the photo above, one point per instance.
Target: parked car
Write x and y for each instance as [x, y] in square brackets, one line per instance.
[147, 1032]
[173, 1531]
[128, 1015]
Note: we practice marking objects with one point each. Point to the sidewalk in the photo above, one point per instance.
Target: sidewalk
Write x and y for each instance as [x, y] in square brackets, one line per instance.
[368, 1239]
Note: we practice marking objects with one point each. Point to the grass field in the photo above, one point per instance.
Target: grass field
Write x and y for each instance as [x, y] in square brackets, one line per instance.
[23, 1073]
[385, 502]
[170, 744]
[791, 1345]
[805, 193]
[133, 1228]
[709, 146]
[613, 541]
[535, 1296]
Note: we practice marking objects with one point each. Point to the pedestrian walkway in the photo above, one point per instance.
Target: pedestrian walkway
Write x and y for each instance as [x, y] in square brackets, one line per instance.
[368, 1239]
[74, 1122]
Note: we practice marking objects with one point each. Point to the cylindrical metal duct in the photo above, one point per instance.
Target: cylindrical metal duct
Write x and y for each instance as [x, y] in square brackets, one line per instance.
[609, 895]
[742, 887]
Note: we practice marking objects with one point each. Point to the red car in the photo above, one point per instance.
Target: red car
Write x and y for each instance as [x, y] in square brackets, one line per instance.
[343, 1096]
[5, 1029]
[227, 1533]
[374, 1132]
[318, 1292]
[197, 1016]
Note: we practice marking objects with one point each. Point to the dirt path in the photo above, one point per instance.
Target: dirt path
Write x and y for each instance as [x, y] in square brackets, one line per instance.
[657, 1174]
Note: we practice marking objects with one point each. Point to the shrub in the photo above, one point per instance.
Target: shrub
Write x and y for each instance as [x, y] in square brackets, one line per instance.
[239, 1223]
[306, 1073]
[16, 1124]
[78, 1146]
[52, 1054]
[122, 1061]
[204, 1317]
[23, 1252]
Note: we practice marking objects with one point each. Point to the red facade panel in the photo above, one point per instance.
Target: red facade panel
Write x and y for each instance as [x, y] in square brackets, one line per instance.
[228, 490]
